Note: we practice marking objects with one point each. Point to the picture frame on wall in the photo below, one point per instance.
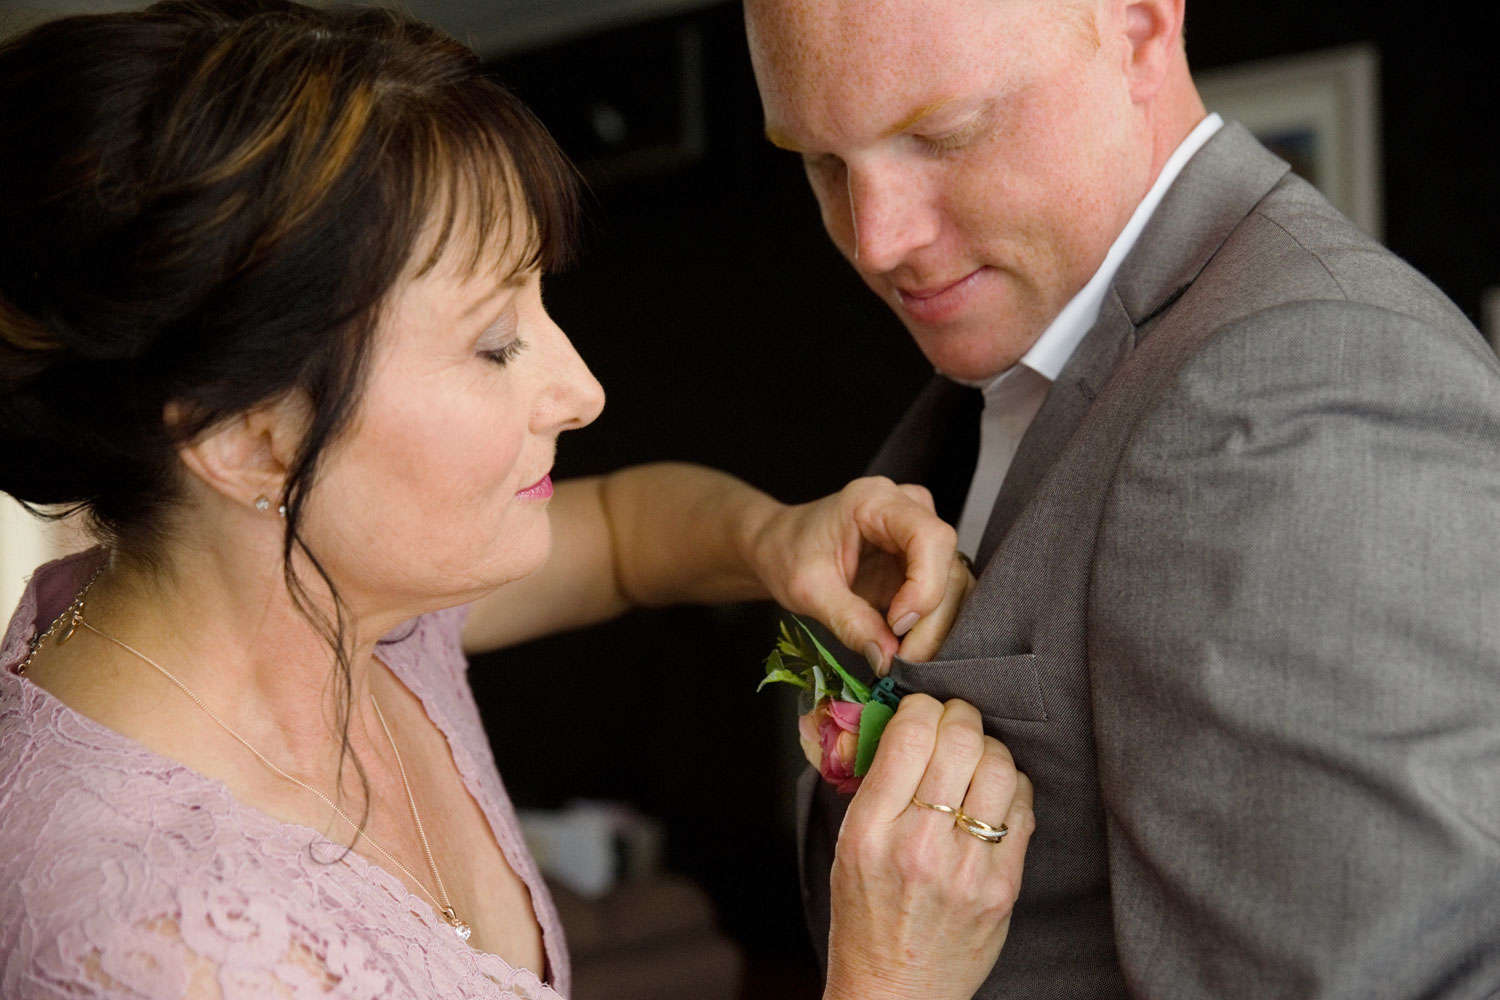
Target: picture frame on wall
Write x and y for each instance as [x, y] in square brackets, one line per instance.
[1319, 111]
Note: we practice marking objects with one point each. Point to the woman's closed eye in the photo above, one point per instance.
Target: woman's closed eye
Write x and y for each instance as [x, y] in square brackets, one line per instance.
[501, 340]
[504, 354]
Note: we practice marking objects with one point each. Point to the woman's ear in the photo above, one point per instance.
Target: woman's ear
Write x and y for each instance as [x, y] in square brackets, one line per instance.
[247, 456]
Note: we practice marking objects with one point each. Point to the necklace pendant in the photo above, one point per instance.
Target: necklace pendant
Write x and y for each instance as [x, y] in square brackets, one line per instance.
[459, 927]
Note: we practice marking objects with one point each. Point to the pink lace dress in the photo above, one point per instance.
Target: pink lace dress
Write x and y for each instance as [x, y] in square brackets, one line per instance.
[126, 874]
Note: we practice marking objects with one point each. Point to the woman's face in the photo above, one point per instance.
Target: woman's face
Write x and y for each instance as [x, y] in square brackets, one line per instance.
[438, 491]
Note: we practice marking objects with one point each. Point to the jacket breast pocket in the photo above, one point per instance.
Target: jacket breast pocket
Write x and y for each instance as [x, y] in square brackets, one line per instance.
[1001, 687]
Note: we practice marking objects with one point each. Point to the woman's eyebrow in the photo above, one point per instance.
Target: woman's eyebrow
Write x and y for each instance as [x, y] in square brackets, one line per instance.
[511, 282]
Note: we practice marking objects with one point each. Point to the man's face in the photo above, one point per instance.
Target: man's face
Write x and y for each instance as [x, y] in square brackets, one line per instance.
[973, 159]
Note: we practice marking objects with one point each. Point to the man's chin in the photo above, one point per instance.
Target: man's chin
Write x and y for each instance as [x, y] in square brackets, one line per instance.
[973, 367]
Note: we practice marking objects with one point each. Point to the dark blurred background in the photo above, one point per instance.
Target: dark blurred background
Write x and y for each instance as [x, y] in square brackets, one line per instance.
[726, 330]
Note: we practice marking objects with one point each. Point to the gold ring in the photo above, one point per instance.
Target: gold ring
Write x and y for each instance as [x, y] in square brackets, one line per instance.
[979, 828]
[936, 808]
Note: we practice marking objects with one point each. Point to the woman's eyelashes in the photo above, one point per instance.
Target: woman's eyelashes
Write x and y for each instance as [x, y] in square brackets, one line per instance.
[504, 354]
[501, 341]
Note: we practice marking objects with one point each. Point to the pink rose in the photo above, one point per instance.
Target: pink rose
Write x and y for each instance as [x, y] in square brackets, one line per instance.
[830, 739]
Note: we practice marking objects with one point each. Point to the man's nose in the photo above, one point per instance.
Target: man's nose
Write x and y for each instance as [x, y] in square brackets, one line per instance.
[890, 216]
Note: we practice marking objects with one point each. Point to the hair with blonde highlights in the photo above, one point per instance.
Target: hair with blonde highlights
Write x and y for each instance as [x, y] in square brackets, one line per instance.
[206, 203]
[204, 206]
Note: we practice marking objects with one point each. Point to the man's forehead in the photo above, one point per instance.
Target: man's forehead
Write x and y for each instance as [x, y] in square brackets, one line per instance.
[817, 30]
[890, 63]
[835, 69]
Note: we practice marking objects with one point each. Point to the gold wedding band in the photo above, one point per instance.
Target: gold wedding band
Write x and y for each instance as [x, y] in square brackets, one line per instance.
[937, 808]
[979, 828]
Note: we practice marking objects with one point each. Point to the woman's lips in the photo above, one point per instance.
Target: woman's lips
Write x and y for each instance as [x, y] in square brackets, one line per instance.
[539, 490]
[937, 303]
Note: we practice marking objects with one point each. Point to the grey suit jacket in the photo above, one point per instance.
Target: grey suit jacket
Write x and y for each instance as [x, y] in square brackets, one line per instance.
[1238, 618]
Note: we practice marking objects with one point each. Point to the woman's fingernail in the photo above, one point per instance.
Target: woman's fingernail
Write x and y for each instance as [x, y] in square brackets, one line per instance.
[905, 622]
[875, 656]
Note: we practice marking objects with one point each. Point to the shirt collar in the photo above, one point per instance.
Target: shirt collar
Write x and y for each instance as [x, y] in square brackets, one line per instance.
[1056, 344]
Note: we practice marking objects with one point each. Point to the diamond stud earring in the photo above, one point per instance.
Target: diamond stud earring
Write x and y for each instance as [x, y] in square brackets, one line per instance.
[262, 504]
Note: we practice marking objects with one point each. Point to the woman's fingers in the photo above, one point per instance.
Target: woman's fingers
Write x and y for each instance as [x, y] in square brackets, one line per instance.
[921, 494]
[993, 785]
[937, 753]
[958, 749]
[1020, 818]
[817, 559]
[899, 521]
[901, 760]
[926, 637]
[908, 528]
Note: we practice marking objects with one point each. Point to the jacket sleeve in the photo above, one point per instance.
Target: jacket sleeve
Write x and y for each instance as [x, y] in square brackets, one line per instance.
[1295, 636]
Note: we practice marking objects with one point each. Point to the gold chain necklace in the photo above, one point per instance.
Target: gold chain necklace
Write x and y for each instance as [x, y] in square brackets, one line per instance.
[73, 614]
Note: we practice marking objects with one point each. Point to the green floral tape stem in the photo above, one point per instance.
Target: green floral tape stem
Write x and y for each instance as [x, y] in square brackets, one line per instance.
[871, 724]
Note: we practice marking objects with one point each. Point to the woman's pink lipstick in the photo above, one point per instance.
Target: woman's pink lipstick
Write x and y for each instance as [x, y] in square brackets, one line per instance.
[539, 490]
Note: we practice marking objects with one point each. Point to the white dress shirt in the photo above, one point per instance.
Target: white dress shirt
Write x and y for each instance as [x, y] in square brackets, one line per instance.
[1012, 398]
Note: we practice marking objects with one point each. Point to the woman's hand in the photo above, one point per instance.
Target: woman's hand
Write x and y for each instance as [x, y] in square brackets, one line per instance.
[926, 636]
[920, 906]
[873, 562]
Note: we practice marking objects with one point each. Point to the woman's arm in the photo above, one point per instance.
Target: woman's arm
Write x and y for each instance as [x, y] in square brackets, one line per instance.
[869, 561]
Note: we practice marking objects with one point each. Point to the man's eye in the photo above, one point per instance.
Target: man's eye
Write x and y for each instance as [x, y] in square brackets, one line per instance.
[958, 135]
[948, 141]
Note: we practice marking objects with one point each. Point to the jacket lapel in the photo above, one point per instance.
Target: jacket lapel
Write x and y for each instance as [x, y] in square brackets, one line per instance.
[1183, 234]
[1097, 356]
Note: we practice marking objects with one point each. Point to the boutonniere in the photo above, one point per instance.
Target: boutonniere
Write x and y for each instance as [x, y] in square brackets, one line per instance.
[842, 718]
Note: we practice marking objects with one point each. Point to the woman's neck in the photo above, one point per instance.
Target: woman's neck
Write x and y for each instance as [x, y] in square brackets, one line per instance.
[225, 627]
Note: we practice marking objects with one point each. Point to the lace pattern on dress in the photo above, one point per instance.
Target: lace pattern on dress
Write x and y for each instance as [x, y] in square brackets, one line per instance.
[126, 874]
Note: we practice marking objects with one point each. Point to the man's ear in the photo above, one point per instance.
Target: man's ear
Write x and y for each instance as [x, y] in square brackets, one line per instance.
[245, 457]
[1153, 33]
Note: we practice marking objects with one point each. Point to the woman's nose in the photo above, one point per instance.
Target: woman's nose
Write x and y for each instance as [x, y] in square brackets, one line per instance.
[572, 397]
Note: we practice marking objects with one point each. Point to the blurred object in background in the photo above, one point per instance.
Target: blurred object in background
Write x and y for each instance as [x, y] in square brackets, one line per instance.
[590, 846]
[27, 541]
[652, 938]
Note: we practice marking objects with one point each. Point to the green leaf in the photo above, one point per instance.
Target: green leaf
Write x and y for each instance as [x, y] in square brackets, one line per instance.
[871, 725]
[782, 676]
[799, 658]
[821, 689]
[860, 692]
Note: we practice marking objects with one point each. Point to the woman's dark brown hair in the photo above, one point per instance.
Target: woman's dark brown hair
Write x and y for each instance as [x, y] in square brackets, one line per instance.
[205, 204]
